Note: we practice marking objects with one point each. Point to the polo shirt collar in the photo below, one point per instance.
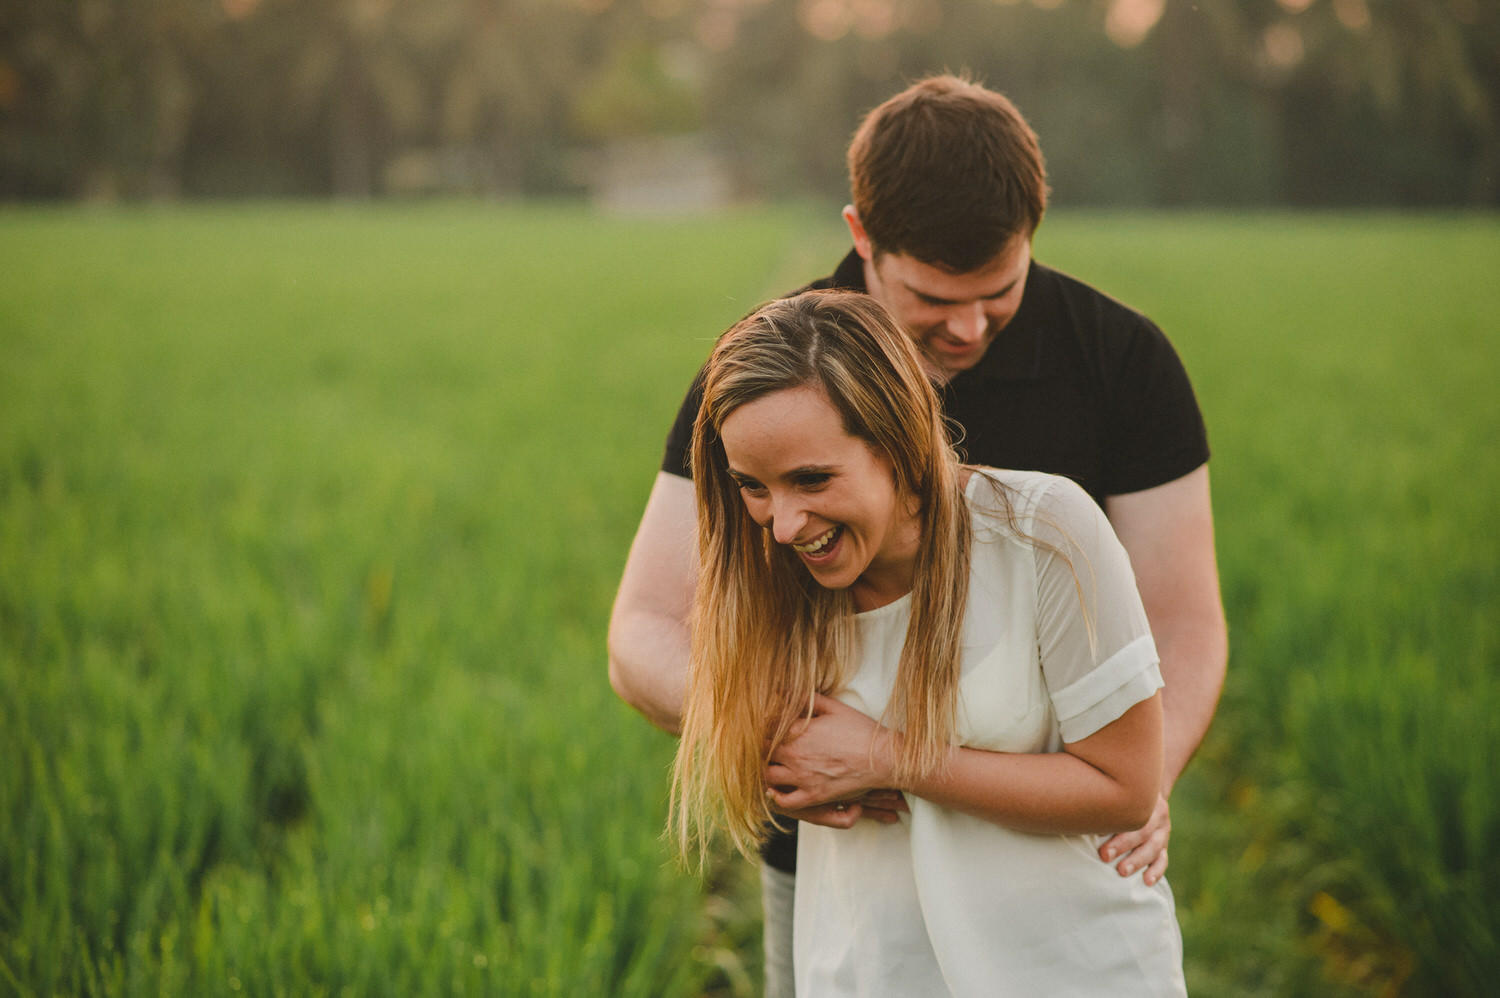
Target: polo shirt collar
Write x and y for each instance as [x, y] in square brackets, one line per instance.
[850, 275]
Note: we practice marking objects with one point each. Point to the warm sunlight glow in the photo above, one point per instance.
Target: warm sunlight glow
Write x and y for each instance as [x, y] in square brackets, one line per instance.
[662, 10]
[716, 29]
[830, 20]
[1355, 14]
[874, 19]
[238, 10]
[827, 20]
[1283, 45]
[1128, 22]
[922, 17]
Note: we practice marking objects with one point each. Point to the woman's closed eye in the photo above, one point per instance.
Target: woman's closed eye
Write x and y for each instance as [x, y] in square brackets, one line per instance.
[750, 486]
[806, 481]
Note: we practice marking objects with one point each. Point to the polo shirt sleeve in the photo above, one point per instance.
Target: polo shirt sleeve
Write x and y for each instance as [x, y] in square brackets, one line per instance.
[1156, 432]
[676, 459]
[1098, 657]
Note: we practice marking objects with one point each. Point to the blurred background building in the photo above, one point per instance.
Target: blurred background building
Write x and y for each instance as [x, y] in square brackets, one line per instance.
[650, 103]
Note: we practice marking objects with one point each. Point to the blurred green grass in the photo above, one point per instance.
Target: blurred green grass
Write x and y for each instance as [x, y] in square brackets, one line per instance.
[310, 521]
[1345, 364]
[310, 518]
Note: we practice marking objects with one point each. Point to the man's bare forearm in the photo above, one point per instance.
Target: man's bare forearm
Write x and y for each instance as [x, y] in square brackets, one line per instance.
[648, 666]
[648, 630]
[1194, 655]
[1169, 534]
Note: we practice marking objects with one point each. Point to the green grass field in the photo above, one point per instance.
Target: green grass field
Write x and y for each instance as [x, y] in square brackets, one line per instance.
[310, 518]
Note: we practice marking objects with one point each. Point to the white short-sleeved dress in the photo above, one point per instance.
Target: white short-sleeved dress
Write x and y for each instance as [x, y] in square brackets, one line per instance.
[943, 903]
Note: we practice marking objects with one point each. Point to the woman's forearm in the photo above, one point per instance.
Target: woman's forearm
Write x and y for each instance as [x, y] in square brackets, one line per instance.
[1105, 783]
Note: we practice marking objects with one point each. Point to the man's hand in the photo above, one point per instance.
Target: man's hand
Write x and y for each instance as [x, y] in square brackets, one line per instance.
[1145, 848]
[884, 806]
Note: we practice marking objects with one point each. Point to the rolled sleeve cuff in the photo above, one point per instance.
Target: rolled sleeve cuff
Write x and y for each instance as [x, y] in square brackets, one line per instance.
[1127, 677]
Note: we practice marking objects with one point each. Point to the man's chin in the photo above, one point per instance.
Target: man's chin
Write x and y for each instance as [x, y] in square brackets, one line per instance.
[944, 366]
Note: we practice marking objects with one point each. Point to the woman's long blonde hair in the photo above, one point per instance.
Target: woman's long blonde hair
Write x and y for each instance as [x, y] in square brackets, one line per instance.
[765, 636]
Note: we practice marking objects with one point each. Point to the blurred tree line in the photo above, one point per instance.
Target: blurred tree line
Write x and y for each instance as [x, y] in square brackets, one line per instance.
[1142, 102]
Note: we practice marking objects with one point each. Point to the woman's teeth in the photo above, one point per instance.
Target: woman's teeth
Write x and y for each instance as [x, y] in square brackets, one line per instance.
[817, 545]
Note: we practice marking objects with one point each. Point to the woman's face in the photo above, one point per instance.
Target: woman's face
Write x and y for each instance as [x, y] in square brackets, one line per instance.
[828, 495]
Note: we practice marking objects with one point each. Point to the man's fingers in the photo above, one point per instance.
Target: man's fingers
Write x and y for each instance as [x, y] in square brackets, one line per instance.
[793, 801]
[885, 816]
[885, 800]
[827, 815]
[776, 775]
[842, 814]
[1157, 869]
[788, 796]
[1141, 848]
[1121, 845]
[1143, 855]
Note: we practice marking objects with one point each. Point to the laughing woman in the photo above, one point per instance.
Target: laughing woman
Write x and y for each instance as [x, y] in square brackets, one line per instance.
[946, 671]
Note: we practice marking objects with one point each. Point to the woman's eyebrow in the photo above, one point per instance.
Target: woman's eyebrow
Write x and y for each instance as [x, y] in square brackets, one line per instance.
[812, 469]
[806, 469]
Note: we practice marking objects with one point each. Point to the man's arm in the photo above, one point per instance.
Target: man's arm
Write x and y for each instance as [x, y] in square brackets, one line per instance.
[1169, 533]
[648, 631]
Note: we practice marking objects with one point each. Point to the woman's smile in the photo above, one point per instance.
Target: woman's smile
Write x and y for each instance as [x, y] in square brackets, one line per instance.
[820, 548]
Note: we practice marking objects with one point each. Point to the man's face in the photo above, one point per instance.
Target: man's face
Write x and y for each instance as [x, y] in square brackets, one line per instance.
[952, 317]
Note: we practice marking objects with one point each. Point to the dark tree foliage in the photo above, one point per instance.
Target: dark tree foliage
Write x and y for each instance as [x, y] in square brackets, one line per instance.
[1138, 102]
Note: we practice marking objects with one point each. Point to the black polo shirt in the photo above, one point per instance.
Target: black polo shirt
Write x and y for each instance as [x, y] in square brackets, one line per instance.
[1076, 384]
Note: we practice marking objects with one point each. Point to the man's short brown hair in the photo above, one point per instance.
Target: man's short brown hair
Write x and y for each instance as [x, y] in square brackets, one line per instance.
[948, 173]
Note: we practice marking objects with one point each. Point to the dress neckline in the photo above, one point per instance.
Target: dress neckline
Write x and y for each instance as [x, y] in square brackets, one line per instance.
[900, 603]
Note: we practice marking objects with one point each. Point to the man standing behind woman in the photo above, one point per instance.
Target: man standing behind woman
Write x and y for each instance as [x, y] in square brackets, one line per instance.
[1039, 370]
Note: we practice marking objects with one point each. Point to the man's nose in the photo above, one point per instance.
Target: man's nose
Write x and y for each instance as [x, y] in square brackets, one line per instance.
[967, 323]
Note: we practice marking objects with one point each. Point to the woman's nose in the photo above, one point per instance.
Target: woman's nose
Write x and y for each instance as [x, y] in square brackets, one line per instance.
[788, 518]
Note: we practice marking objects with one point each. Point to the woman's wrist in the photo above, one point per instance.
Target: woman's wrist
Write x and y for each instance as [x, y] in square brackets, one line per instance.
[885, 750]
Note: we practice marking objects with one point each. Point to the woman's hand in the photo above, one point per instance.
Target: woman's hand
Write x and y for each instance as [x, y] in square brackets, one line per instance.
[833, 769]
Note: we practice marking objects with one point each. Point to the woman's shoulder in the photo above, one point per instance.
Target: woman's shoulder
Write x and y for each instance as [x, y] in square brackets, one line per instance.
[1022, 491]
[1003, 501]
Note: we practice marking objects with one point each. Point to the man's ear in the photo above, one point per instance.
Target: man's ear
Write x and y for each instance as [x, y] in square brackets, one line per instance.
[862, 244]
